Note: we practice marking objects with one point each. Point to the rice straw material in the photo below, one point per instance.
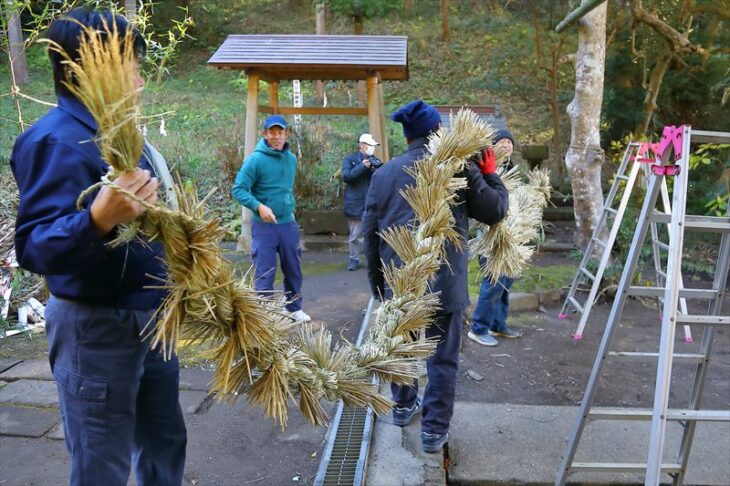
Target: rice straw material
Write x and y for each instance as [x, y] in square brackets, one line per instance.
[257, 353]
[507, 245]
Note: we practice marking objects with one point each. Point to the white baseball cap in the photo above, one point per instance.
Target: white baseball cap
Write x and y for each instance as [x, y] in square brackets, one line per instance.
[368, 139]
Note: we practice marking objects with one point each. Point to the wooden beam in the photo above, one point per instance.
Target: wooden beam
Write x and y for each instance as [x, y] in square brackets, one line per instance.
[313, 110]
[374, 112]
[383, 124]
[266, 109]
[269, 72]
[274, 96]
[251, 137]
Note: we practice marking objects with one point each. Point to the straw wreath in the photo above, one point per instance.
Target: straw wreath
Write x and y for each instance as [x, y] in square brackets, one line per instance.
[507, 245]
[258, 353]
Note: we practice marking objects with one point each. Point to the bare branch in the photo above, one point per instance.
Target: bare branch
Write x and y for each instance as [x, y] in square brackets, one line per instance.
[677, 41]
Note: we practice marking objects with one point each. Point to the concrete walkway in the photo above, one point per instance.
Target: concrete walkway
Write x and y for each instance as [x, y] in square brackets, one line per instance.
[522, 444]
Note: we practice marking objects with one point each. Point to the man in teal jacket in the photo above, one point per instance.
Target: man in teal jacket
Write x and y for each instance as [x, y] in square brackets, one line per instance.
[265, 185]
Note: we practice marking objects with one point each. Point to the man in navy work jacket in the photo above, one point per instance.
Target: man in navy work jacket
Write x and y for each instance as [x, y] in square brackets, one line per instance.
[357, 169]
[484, 199]
[265, 185]
[118, 398]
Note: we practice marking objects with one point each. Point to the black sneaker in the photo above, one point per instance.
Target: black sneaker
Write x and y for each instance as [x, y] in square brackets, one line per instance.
[403, 416]
[432, 443]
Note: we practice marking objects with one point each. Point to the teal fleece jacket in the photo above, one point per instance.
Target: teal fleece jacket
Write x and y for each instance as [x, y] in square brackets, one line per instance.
[267, 177]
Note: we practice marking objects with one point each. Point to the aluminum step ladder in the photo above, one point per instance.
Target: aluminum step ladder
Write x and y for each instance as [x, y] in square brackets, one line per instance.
[604, 236]
[676, 141]
[640, 154]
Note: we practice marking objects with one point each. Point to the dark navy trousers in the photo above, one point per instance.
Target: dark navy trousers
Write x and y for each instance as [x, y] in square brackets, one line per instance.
[119, 400]
[442, 368]
[266, 241]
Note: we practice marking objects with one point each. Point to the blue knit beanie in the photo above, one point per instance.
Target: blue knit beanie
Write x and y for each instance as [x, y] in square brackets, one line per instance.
[502, 133]
[419, 119]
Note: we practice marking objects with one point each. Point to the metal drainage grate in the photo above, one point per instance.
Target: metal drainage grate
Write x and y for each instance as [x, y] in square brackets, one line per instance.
[345, 456]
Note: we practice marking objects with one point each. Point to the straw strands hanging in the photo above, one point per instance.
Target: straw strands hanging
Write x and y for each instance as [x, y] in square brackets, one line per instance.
[259, 352]
[507, 245]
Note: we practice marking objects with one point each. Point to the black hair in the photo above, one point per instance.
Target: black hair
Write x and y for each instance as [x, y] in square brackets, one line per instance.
[67, 30]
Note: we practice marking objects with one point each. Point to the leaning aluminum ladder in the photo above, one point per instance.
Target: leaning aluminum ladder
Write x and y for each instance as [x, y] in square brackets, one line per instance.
[638, 153]
[676, 140]
[621, 182]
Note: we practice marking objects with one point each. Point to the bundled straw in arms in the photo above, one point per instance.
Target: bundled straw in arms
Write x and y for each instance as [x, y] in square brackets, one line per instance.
[206, 301]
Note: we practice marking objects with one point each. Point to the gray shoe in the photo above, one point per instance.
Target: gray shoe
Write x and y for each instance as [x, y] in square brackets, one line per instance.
[403, 416]
[507, 333]
[483, 339]
[432, 443]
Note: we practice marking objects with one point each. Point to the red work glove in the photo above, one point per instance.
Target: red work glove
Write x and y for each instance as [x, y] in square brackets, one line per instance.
[488, 165]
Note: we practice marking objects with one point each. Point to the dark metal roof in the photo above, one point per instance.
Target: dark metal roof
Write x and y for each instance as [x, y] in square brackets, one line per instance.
[491, 114]
[327, 57]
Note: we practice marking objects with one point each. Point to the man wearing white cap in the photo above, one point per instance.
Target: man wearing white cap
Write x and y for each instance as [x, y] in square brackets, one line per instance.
[357, 169]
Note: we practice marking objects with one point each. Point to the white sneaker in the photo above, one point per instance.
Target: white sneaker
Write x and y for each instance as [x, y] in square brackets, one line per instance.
[300, 315]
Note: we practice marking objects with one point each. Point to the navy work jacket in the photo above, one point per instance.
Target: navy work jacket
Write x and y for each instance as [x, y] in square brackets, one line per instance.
[485, 199]
[53, 162]
[357, 177]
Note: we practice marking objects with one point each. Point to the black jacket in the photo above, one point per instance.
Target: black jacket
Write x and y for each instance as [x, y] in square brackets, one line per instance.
[357, 179]
[485, 200]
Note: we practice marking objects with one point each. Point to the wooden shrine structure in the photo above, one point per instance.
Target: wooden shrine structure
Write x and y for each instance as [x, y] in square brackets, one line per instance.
[276, 58]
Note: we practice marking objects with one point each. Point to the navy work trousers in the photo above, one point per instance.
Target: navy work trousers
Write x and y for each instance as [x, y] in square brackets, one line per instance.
[442, 368]
[266, 241]
[119, 400]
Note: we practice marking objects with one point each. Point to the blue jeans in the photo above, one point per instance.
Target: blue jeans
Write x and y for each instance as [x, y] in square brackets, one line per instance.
[119, 400]
[442, 368]
[266, 241]
[492, 307]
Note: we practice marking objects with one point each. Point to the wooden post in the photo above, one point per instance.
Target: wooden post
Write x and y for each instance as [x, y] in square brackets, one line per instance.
[374, 112]
[383, 123]
[252, 111]
[274, 96]
[16, 46]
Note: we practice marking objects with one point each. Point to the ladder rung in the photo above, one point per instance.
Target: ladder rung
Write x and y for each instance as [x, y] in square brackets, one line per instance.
[587, 273]
[706, 320]
[661, 244]
[611, 210]
[676, 358]
[607, 413]
[707, 223]
[686, 293]
[600, 242]
[622, 177]
[662, 273]
[576, 304]
[620, 467]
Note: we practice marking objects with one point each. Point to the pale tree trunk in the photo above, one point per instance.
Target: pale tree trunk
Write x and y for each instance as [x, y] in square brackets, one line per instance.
[445, 20]
[584, 156]
[16, 46]
[130, 9]
[361, 87]
[319, 20]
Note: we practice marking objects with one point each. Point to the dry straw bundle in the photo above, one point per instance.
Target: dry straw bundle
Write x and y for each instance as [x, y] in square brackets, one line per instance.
[507, 244]
[257, 355]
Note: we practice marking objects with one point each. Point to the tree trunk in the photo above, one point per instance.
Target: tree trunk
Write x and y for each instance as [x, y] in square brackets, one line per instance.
[445, 20]
[408, 5]
[16, 46]
[555, 112]
[130, 9]
[360, 88]
[652, 90]
[584, 156]
[319, 20]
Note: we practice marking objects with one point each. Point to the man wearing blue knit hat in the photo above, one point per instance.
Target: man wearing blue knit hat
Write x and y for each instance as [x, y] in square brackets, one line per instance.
[484, 199]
